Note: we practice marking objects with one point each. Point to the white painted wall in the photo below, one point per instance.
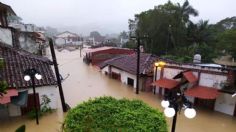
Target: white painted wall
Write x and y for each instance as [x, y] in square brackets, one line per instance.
[14, 110]
[225, 104]
[6, 36]
[50, 91]
[65, 35]
[60, 41]
[211, 80]
[28, 44]
[105, 69]
[124, 75]
[170, 73]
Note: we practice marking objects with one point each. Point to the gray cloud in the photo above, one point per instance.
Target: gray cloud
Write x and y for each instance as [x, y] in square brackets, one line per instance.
[106, 16]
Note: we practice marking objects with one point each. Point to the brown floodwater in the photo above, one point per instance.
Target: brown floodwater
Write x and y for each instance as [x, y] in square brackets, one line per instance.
[86, 82]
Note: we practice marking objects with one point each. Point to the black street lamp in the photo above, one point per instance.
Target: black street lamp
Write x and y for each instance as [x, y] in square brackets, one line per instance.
[173, 103]
[31, 74]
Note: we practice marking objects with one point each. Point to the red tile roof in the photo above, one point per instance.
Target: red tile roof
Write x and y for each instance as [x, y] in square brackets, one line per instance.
[16, 61]
[128, 63]
[202, 92]
[190, 77]
[166, 83]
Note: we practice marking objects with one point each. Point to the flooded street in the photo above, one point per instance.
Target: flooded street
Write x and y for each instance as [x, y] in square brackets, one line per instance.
[86, 82]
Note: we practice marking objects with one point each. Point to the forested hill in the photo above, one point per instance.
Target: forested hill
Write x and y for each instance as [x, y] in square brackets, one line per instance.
[173, 35]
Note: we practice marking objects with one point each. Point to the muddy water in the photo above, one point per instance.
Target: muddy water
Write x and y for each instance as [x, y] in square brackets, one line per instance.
[86, 82]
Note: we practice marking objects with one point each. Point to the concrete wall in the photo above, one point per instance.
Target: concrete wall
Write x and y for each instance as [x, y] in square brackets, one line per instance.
[6, 36]
[124, 75]
[60, 41]
[50, 91]
[225, 104]
[28, 44]
[211, 80]
[170, 73]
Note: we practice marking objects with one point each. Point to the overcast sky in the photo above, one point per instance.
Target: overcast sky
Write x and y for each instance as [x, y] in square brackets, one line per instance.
[106, 16]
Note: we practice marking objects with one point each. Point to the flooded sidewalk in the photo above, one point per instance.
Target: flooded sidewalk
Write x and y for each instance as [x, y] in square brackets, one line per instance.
[86, 82]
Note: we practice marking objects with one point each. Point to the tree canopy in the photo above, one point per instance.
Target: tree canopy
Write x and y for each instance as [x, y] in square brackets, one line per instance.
[172, 34]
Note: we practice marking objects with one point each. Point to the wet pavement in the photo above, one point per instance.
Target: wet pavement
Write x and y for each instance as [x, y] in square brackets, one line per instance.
[86, 82]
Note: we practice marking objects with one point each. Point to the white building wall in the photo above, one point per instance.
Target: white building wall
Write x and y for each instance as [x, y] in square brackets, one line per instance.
[6, 36]
[50, 91]
[225, 104]
[28, 44]
[124, 75]
[104, 70]
[211, 80]
[170, 73]
[60, 41]
[65, 35]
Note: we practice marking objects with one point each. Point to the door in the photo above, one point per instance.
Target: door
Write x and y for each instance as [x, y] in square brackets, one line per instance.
[130, 82]
[30, 104]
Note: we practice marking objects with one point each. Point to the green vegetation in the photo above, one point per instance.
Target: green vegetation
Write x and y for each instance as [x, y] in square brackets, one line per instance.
[21, 129]
[3, 84]
[111, 115]
[45, 108]
[172, 34]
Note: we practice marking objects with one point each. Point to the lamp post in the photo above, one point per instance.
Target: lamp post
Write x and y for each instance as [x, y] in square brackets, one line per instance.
[173, 103]
[158, 65]
[31, 74]
[155, 76]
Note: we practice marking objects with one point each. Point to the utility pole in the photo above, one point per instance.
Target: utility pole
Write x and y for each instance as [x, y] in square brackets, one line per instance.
[138, 63]
[57, 75]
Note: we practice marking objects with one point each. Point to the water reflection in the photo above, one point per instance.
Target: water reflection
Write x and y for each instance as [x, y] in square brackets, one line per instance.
[86, 82]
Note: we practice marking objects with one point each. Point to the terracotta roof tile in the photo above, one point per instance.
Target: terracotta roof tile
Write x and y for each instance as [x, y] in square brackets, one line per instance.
[16, 61]
[128, 63]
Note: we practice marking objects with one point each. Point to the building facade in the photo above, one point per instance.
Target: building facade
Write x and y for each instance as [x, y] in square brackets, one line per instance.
[68, 38]
[209, 89]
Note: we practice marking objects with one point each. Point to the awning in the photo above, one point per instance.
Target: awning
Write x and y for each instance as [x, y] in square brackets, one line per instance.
[190, 76]
[6, 98]
[202, 92]
[166, 83]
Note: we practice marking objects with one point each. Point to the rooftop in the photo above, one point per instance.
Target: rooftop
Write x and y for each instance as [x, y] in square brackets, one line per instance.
[16, 61]
[128, 63]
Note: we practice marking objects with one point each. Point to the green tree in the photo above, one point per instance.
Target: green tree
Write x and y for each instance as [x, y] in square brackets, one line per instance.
[165, 25]
[3, 84]
[226, 41]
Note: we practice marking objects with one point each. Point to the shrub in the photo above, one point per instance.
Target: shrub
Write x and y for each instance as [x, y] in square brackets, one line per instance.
[109, 114]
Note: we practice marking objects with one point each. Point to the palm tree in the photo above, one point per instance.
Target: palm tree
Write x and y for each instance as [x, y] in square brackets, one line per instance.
[187, 10]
